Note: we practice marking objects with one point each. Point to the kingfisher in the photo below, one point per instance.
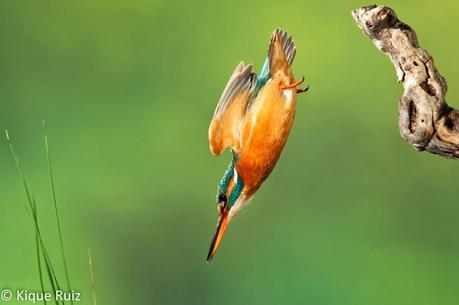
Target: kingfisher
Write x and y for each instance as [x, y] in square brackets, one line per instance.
[253, 118]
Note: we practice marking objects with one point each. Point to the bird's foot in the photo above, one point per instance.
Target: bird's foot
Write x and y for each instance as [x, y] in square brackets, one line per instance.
[291, 86]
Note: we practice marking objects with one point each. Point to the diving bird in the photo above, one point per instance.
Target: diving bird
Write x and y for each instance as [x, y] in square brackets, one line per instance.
[253, 118]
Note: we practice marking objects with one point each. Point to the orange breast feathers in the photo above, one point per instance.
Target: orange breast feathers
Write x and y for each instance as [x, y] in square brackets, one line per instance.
[264, 132]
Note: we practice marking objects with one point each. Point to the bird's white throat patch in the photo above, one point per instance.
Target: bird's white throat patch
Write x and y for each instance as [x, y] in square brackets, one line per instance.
[238, 206]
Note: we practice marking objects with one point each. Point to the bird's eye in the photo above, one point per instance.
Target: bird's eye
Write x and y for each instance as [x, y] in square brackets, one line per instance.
[222, 197]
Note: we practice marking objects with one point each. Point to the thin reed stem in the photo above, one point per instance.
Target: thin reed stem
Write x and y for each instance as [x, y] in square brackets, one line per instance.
[53, 189]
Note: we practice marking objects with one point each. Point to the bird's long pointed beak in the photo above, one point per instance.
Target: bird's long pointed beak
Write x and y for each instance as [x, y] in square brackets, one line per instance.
[219, 232]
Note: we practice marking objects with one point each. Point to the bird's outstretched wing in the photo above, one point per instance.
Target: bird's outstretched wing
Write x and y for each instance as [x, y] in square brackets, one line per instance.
[224, 129]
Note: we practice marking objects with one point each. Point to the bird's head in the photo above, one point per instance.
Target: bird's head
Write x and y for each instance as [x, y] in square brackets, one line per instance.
[229, 202]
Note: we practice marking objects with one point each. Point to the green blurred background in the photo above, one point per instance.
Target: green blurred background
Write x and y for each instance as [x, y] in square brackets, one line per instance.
[351, 214]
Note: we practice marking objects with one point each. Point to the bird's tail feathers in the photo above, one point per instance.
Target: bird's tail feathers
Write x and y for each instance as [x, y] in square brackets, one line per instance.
[281, 52]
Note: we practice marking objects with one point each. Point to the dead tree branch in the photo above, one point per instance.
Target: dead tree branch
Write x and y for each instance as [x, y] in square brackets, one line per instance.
[425, 120]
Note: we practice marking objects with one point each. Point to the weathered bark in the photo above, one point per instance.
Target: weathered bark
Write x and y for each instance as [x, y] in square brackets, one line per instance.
[425, 120]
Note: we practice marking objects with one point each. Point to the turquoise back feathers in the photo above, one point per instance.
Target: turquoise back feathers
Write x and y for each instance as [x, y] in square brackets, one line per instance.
[262, 78]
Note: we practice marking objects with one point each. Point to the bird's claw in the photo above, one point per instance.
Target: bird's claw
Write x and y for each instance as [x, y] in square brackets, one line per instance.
[291, 86]
[302, 90]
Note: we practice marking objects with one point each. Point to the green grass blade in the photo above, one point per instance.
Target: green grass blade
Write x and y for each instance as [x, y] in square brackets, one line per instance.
[19, 169]
[32, 209]
[38, 249]
[93, 279]
[54, 283]
[53, 190]
[40, 272]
